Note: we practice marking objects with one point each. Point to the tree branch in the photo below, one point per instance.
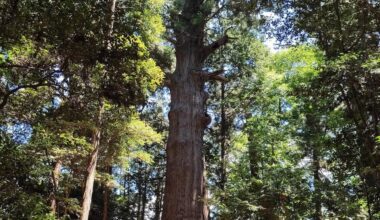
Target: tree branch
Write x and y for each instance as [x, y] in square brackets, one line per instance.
[211, 48]
[10, 92]
[14, 90]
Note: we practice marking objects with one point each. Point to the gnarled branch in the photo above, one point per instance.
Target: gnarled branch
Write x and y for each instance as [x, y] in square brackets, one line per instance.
[211, 48]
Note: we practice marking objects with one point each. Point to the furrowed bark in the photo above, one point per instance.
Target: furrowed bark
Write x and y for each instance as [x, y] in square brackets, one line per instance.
[185, 192]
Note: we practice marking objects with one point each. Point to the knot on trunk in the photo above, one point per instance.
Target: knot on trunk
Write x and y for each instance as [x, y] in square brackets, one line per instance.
[205, 120]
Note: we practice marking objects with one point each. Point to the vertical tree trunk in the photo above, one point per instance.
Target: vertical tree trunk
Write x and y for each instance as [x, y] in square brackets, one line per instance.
[269, 212]
[144, 194]
[139, 185]
[91, 167]
[223, 130]
[253, 158]
[184, 190]
[368, 200]
[158, 193]
[106, 196]
[55, 180]
[317, 185]
[127, 193]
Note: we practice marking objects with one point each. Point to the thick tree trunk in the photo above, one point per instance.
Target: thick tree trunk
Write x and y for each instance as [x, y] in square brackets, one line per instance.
[91, 167]
[184, 190]
[55, 180]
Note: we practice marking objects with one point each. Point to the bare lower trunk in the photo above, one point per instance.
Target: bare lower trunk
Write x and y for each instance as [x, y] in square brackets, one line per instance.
[55, 180]
[184, 190]
[91, 167]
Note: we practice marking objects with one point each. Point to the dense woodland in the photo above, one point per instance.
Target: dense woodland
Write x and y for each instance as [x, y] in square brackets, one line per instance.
[190, 109]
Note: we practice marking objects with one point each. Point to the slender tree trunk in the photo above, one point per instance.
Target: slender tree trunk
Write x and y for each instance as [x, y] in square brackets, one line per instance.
[317, 185]
[223, 130]
[111, 21]
[358, 112]
[67, 195]
[144, 196]
[139, 191]
[369, 202]
[253, 158]
[55, 180]
[124, 185]
[106, 196]
[158, 194]
[91, 167]
[127, 193]
[159, 191]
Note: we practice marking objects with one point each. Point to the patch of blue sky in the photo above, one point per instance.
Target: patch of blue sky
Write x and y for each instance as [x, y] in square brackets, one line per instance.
[20, 132]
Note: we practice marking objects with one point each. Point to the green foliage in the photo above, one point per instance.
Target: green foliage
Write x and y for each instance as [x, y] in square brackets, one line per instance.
[24, 182]
[298, 128]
